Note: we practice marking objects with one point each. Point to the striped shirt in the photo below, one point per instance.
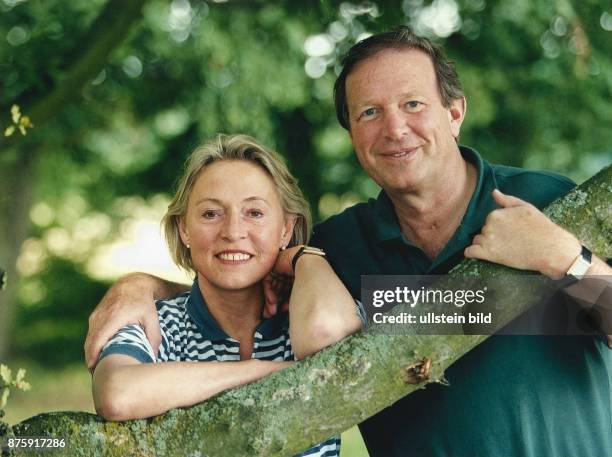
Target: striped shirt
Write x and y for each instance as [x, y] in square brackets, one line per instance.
[190, 333]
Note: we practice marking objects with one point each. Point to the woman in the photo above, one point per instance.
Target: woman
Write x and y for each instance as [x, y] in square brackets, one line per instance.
[235, 209]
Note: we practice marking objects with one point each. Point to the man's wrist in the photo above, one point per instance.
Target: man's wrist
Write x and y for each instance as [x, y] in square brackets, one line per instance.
[565, 254]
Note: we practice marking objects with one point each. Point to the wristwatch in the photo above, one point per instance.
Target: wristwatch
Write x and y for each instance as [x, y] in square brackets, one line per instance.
[306, 250]
[578, 268]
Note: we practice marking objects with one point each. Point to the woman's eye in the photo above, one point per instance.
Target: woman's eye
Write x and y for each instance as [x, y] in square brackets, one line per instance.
[209, 214]
[255, 213]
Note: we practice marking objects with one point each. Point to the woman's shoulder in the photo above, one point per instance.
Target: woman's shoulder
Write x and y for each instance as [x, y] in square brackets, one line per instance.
[173, 308]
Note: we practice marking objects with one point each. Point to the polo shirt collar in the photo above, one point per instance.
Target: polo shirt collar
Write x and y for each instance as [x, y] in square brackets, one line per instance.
[198, 311]
[387, 226]
[481, 204]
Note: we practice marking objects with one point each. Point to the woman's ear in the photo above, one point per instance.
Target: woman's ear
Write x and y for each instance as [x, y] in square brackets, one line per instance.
[183, 230]
[287, 232]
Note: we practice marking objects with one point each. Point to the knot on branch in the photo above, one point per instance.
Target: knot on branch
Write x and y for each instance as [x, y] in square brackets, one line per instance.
[416, 373]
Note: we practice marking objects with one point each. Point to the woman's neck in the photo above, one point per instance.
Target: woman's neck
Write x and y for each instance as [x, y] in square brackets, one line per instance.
[238, 312]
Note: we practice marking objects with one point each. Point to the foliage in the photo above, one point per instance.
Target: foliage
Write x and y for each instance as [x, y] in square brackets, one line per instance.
[20, 122]
[7, 381]
[536, 76]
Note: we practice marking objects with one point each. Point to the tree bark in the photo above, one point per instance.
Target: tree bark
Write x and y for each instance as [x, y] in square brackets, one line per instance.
[325, 394]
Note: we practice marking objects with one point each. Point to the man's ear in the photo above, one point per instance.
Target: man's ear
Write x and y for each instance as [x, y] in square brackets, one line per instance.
[182, 230]
[287, 233]
[456, 114]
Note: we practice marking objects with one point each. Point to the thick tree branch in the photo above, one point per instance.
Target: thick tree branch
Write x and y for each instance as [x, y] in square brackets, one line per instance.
[322, 395]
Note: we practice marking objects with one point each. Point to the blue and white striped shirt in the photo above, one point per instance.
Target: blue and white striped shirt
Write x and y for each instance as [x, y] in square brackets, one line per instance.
[190, 333]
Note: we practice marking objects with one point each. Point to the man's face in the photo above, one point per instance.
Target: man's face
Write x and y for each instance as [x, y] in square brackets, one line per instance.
[402, 134]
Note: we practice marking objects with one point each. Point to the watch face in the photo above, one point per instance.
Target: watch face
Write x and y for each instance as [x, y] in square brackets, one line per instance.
[581, 265]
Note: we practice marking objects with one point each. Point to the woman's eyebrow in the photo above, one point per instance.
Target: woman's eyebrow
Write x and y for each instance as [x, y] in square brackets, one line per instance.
[211, 200]
[250, 199]
[219, 202]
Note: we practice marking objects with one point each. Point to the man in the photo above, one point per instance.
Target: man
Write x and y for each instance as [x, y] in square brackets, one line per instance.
[403, 106]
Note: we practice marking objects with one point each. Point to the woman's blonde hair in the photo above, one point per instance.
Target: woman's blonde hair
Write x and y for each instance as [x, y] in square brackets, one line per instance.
[234, 147]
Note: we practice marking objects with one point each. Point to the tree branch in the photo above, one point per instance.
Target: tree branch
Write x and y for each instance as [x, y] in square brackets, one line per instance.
[106, 33]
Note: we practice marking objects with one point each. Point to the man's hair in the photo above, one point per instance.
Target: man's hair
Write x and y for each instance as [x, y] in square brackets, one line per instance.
[401, 38]
[234, 148]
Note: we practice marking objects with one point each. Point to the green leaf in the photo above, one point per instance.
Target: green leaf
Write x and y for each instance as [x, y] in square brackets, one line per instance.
[15, 114]
[5, 374]
[20, 375]
[4, 397]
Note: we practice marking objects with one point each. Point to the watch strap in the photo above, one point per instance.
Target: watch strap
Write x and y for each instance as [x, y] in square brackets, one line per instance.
[306, 250]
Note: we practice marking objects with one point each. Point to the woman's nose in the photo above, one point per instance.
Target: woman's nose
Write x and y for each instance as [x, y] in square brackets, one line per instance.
[234, 227]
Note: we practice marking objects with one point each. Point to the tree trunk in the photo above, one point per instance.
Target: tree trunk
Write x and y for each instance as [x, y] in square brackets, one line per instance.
[15, 201]
[324, 394]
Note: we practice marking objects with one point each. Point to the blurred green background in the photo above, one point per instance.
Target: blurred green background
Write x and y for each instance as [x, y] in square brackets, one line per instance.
[120, 92]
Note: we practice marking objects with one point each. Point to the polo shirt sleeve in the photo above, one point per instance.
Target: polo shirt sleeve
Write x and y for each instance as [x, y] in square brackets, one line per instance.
[132, 341]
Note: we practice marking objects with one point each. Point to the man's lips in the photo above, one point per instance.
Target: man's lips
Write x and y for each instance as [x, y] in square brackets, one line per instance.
[399, 152]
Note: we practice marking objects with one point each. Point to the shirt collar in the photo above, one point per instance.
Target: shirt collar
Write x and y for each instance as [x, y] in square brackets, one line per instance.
[481, 204]
[198, 311]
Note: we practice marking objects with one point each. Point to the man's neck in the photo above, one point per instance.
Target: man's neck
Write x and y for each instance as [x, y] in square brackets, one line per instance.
[429, 217]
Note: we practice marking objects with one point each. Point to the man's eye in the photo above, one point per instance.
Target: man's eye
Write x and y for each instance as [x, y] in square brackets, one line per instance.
[413, 105]
[368, 112]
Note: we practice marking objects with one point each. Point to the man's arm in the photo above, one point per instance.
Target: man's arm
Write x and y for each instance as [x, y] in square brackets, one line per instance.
[124, 388]
[518, 235]
[131, 300]
[321, 310]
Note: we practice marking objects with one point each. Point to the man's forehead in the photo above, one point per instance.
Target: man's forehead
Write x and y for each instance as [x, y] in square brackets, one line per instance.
[410, 67]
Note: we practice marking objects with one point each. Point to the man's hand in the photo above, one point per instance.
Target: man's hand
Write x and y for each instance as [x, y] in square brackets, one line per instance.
[519, 235]
[278, 283]
[129, 301]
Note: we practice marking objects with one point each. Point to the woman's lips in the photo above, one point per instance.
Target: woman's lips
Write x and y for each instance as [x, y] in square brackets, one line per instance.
[234, 256]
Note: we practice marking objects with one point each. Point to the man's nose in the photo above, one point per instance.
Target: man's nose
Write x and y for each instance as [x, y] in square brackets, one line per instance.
[395, 124]
[234, 227]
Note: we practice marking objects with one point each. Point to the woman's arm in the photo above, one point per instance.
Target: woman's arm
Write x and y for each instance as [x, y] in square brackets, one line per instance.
[124, 388]
[321, 310]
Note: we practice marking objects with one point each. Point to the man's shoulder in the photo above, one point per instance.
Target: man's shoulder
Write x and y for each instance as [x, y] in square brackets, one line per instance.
[344, 225]
[539, 187]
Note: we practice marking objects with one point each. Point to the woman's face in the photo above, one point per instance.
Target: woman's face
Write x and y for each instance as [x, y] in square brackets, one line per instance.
[234, 225]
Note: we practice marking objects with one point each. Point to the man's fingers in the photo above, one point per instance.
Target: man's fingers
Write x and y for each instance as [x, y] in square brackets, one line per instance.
[507, 201]
[94, 344]
[150, 324]
[475, 251]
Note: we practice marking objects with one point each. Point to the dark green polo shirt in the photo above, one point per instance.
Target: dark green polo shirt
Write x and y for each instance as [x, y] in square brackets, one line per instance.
[512, 395]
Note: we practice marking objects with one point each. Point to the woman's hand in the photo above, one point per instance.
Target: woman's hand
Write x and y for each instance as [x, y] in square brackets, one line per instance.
[278, 283]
